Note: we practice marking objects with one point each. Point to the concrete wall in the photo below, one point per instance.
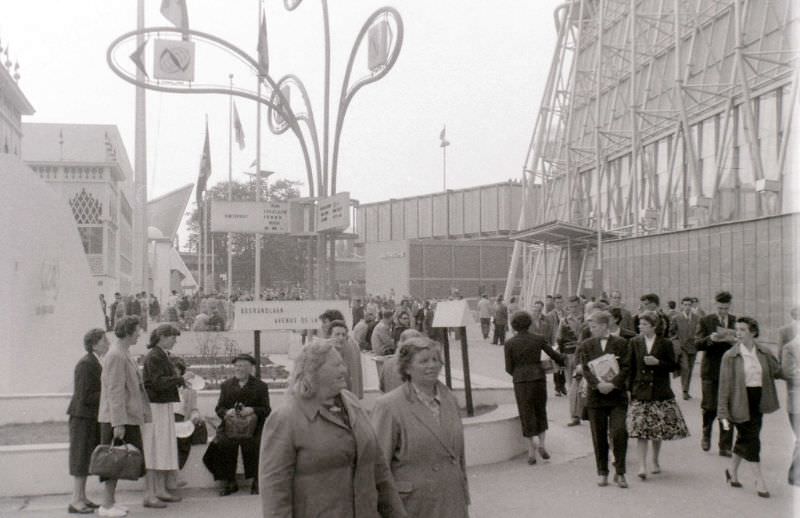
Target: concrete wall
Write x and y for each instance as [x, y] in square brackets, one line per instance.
[757, 261]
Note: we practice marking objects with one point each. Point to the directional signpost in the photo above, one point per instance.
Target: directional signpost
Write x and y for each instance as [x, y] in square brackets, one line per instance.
[455, 313]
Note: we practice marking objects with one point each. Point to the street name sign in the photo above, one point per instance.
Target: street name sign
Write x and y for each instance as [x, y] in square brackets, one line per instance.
[284, 315]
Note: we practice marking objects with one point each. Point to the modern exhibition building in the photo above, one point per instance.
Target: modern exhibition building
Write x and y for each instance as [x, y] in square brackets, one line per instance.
[662, 158]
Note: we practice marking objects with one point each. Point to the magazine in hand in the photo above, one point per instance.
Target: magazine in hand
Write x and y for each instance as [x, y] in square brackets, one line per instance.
[605, 368]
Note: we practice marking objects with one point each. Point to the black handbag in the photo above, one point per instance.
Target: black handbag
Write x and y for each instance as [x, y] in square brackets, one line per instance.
[200, 434]
[115, 462]
[238, 426]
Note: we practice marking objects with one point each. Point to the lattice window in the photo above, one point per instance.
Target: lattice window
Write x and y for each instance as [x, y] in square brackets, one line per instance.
[86, 208]
[92, 239]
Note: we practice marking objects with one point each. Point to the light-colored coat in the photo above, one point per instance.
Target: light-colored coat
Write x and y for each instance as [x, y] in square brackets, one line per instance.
[732, 401]
[123, 399]
[426, 457]
[312, 464]
[790, 368]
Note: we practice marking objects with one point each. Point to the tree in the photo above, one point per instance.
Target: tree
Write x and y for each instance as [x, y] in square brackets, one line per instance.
[282, 256]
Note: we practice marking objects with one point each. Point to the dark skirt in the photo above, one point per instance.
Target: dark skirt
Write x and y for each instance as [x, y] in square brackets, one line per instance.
[532, 405]
[748, 443]
[84, 436]
[133, 436]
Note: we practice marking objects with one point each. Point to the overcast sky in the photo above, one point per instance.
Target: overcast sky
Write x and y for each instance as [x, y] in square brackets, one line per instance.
[477, 66]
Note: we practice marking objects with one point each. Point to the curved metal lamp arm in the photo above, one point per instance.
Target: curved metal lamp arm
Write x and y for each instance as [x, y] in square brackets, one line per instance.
[291, 5]
[278, 127]
[226, 90]
[348, 92]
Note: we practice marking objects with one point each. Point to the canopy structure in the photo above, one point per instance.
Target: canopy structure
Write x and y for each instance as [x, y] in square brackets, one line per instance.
[561, 233]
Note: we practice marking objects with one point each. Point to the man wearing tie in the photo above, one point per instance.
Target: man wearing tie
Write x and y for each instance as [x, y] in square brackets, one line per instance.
[681, 332]
[714, 343]
[607, 401]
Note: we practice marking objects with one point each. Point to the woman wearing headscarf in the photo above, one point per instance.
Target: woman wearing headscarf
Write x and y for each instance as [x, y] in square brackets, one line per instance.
[420, 433]
[319, 454]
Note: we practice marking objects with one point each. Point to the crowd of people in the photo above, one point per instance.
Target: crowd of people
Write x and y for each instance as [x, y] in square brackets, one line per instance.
[322, 450]
[615, 368]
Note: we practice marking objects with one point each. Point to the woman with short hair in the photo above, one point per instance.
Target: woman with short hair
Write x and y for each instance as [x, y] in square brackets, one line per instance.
[319, 454]
[653, 414]
[420, 432]
[84, 430]
[161, 381]
[523, 358]
[124, 407]
[746, 393]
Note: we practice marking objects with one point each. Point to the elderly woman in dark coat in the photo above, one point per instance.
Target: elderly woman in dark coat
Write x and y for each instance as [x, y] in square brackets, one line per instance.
[420, 432]
[523, 354]
[319, 454]
[84, 430]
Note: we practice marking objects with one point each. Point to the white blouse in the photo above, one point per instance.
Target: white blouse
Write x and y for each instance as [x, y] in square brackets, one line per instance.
[648, 343]
[752, 367]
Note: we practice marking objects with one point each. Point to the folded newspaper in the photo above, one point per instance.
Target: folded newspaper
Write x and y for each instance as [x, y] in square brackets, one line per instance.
[605, 368]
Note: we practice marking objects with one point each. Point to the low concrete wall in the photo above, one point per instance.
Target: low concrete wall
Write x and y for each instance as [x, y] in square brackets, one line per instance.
[42, 468]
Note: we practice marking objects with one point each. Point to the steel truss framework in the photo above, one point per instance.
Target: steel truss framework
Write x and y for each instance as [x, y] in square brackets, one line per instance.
[658, 115]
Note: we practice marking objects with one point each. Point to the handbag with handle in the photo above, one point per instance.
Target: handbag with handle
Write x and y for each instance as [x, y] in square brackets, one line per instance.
[238, 426]
[117, 461]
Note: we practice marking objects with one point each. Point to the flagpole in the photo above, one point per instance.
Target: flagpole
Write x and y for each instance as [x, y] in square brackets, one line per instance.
[199, 240]
[257, 273]
[444, 168]
[230, 184]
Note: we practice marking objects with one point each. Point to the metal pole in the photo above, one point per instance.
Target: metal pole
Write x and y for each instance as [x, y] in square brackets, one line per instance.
[467, 378]
[199, 246]
[230, 186]
[206, 247]
[140, 173]
[257, 252]
[444, 168]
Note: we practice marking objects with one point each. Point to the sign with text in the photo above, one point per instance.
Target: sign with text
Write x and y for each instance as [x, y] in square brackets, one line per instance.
[250, 217]
[333, 213]
[174, 60]
[286, 315]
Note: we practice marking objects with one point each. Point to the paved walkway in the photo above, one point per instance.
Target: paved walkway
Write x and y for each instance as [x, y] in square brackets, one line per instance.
[691, 484]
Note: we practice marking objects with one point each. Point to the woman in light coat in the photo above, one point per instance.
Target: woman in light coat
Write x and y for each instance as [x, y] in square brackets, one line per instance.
[746, 393]
[319, 454]
[420, 432]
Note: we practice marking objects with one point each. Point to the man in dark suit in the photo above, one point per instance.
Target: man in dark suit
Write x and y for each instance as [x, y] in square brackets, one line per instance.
[571, 332]
[607, 401]
[714, 345]
[681, 331]
[652, 302]
[358, 312]
[252, 396]
[113, 316]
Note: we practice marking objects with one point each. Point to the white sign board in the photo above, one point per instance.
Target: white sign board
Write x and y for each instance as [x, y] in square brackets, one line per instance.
[250, 217]
[452, 313]
[174, 60]
[285, 314]
[333, 213]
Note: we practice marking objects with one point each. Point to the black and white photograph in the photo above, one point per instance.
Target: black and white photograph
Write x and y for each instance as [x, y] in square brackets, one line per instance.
[399, 258]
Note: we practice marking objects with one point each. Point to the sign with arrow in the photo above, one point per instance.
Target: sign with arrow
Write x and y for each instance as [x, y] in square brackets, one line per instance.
[173, 60]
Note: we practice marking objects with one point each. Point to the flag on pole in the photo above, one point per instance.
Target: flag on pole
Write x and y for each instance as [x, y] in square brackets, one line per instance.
[442, 137]
[237, 128]
[263, 54]
[205, 169]
[175, 11]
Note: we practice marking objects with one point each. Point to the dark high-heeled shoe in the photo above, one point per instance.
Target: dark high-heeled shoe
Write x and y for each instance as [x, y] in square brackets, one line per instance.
[730, 481]
[763, 494]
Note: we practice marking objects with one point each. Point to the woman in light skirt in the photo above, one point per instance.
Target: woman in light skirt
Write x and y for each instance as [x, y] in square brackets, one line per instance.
[161, 381]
